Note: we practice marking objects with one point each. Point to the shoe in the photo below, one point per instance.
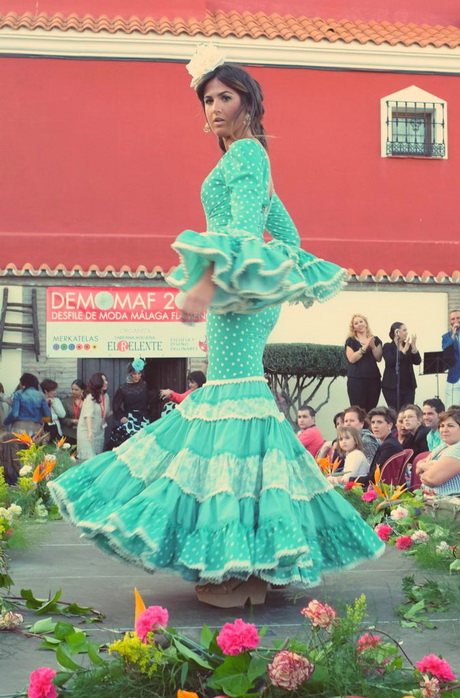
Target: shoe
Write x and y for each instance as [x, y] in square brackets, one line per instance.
[233, 593]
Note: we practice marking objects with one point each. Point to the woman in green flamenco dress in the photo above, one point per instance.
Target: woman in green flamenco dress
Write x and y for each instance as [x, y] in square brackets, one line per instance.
[221, 491]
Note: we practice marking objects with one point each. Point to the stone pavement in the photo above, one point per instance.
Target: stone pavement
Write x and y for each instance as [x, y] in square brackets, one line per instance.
[91, 578]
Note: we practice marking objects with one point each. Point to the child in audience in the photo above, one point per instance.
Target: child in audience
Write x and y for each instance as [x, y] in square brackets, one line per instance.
[350, 447]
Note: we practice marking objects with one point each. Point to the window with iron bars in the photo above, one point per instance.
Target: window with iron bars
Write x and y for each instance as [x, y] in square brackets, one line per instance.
[415, 129]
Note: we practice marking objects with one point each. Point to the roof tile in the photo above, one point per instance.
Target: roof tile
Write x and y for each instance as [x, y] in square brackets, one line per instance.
[248, 24]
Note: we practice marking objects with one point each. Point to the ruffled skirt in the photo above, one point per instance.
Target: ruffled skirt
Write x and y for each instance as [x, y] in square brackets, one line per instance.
[219, 488]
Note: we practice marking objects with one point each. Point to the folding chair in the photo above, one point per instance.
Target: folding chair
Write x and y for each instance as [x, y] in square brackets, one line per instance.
[393, 471]
[415, 482]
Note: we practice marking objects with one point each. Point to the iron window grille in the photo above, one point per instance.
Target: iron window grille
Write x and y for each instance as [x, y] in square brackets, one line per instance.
[416, 129]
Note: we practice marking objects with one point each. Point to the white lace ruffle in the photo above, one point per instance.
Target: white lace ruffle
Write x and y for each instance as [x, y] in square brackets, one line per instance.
[249, 408]
[229, 381]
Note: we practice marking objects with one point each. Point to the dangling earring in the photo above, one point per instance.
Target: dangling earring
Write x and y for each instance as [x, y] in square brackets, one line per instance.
[207, 128]
[247, 120]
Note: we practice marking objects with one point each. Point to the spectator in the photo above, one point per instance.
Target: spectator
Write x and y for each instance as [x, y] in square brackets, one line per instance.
[338, 419]
[417, 433]
[382, 421]
[29, 407]
[309, 434]
[350, 447]
[196, 379]
[409, 357]
[73, 405]
[401, 431]
[53, 428]
[451, 352]
[132, 404]
[329, 448]
[363, 352]
[440, 471]
[355, 417]
[93, 418]
[431, 410]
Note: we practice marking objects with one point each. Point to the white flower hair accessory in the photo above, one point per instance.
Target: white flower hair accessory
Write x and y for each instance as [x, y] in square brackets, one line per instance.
[204, 60]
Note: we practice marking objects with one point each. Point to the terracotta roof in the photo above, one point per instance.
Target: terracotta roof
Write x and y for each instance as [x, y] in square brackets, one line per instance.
[248, 24]
[61, 271]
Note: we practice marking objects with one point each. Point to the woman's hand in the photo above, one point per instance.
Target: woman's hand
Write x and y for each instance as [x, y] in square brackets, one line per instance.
[123, 420]
[413, 341]
[90, 436]
[199, 297]
[165, 394]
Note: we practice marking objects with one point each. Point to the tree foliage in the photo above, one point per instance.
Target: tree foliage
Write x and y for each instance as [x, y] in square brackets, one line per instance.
[296, 372]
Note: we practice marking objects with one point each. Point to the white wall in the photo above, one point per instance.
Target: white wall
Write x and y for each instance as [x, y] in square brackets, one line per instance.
[424, 313]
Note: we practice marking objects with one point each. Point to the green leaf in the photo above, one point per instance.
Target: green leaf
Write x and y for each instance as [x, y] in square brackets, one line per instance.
[49, 643]
[45, 625]
[77, 642]
[231, 676]
[189, 654]
[257, 667]
[65, 660]
[73, 609]
[206, 636]
[184, 673]
[40, 606]
[454, 566]
[93, 654]
[408, 624]
[61, 678]
[414, 610]
[63, 630]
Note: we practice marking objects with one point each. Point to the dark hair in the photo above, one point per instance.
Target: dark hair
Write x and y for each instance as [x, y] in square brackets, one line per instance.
[2, 389]
[416, 409]
[362, 415]
[395, 326]
[48, 384]
[387, 413]
[453, 412]
[78, 382]
[436, 404]
[306, 408]
[28, 380]
[249, 91]
[94, 387]
[339, 415]
[197, 377]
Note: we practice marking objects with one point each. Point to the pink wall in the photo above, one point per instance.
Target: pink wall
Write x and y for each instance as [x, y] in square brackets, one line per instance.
[102, 163]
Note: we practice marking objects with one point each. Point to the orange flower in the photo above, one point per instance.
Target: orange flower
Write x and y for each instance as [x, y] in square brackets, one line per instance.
[187, 694]
[139, 605]
[328, 468]
[22, 438]
[61, 442]
[44, 469]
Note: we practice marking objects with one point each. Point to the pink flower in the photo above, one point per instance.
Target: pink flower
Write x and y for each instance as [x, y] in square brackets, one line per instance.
[431, 664]
[367, 642]
[399, 513]
[40, 685]
[420, 536]
[369, 496]
[319, 614]
[383, 531]
[238, 637]
[430, 688]
[149, 621]
[404, 542]
[289, 670]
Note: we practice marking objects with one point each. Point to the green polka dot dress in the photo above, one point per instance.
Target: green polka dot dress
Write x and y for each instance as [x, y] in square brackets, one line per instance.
[221, 487]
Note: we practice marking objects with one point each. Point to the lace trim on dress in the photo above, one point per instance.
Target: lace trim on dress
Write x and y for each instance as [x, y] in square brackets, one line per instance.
[241, 408]
[224, 381]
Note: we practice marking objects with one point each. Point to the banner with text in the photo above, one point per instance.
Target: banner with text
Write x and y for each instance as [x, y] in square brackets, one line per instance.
[113, 322]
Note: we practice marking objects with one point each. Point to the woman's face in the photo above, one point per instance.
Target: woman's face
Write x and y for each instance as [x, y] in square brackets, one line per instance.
[105, 383]
[352, 420]
[450, 431]
[193, 385]
[380, 427]
[222, 107]
[400, 428]
[359, 325]
[402, 333]
[347, 443]
[50, 393]
[136, 376]
[77, 393]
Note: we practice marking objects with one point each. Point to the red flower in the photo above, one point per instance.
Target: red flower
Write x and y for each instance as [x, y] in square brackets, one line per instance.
[150, 620]
[369, 496]
[238, 637]
[289, 670]
[404, 542]
[367, 642]
[436, 666]
[319, 614]
[383, 531]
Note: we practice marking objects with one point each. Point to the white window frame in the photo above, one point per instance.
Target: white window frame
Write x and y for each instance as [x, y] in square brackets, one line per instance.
[414, 94]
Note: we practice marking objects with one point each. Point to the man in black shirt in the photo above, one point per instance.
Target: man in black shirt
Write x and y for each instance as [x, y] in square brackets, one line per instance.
[383, 420]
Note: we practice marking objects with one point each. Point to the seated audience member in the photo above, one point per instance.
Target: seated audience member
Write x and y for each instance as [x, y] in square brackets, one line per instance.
[440, 471]
[309, 435]
[401, 431]
[431, 410]
[329, 448]
[417, 433]
[356, 417]
[382, 421]
[195, 379]
[338, 419]
[350, 447]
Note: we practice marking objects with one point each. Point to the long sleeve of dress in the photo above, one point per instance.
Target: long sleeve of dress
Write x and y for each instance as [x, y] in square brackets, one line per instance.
[249, 273]
[118, 407]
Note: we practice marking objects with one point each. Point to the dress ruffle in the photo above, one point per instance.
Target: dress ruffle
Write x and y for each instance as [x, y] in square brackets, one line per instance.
[251, 274]
[217, 498]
